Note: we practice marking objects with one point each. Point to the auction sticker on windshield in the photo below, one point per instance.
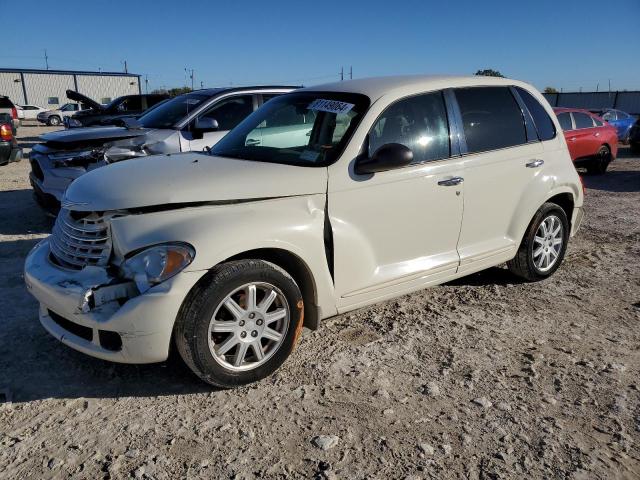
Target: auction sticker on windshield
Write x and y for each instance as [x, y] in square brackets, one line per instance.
[331, 106]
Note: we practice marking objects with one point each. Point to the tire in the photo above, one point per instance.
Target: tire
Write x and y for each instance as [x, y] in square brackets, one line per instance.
[526, 263]
[206, 326]
[599, 164]
[634, 147]
[54, 121]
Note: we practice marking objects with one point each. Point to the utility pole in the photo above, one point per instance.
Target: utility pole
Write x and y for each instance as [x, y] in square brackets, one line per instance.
[597, 86]
[351, 72]
[125, 67]
[201, 84]
[46, 59]
[146, 83]
[190, 73]
[341, 74]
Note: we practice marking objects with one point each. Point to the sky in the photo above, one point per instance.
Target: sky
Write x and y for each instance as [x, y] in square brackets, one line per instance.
[566, 44]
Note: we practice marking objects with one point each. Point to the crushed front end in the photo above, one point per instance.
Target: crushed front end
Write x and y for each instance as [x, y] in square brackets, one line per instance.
[87, 303]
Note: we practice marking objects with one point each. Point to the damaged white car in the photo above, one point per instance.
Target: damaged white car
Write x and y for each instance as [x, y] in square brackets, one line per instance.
[322, 201]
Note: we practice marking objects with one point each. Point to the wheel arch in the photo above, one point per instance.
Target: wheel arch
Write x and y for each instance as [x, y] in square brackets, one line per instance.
[565, 201]
[294, 266]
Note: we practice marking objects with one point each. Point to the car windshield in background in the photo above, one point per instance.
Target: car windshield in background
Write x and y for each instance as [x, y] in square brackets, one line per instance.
[172, 111]
[302, 128]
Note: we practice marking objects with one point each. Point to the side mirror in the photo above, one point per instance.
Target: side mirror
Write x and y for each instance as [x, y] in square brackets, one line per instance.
[206, 124]
[388, 157]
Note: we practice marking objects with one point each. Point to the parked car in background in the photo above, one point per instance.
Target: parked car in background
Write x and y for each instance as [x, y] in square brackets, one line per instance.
[54, 117]
[305, 210]
[593, 143]
[620, 120]
[634, 137]
[188, 122]
[29, 112]
[7, 106]
[125, 106]
[9, 149]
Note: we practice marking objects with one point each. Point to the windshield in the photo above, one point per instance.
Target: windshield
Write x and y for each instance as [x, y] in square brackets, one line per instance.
[170, 112]
[302, 128]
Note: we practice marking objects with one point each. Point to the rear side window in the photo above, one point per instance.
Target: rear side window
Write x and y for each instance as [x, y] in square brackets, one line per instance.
[419, 123]
[491, 118]
[544, 125]
[565, 121]
[582, 120]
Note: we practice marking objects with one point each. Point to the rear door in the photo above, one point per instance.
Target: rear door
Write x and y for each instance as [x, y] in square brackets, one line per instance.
[503, 157]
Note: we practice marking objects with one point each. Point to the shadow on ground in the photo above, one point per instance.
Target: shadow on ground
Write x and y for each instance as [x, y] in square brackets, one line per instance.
[21, 215]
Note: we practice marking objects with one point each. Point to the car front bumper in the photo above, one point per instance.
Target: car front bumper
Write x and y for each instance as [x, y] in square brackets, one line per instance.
[118, 324]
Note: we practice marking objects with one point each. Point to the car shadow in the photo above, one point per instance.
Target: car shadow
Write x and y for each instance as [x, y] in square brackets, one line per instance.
[21, 215]
[491, 276]
[618, 181]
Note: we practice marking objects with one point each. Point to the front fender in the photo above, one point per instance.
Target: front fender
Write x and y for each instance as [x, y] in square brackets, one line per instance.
[218, 232]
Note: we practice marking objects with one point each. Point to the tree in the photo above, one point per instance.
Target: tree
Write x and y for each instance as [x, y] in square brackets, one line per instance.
[550, 90]
[172, 92]
[488, 72]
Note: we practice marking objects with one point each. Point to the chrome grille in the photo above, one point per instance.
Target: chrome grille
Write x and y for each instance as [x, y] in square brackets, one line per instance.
[80, 239]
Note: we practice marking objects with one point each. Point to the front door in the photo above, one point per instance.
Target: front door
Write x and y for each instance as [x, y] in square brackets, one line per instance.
[396, 231]
[228, 112]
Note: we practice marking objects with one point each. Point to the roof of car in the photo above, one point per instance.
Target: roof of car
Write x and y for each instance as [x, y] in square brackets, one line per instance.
[376, 87]
[215, 91]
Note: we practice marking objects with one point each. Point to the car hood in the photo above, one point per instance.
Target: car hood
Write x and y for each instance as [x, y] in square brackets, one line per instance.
[186, 179]
[78, 97]
[74, 135]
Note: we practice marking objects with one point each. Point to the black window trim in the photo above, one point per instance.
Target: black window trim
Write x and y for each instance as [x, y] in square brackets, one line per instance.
[454, 145]
[533, 134]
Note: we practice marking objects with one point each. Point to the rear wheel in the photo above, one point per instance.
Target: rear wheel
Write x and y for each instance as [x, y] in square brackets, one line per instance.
[544, 244]
[54, 121]
[599, 164]
[240, 323]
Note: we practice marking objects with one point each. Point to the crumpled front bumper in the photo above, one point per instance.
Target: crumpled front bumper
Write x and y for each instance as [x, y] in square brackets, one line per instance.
[144, 322]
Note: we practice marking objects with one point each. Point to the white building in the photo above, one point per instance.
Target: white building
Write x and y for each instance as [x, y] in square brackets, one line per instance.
[46, 88]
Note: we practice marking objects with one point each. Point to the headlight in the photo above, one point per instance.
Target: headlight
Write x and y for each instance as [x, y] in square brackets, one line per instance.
[157, 264]
[64, 159]
[72, 122]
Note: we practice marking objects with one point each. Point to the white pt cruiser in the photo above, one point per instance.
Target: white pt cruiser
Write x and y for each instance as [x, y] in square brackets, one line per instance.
[324, 200]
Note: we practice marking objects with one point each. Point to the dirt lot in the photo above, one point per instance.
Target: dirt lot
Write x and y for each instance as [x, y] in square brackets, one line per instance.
[485, 377]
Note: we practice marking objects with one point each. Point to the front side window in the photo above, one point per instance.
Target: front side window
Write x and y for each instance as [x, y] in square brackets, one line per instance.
[622, 115]
[302, 128]
[69, 107]
[565, 121]
[543, 123]
[419, 123]
[491, 118]
[582, 120]
[131, 104]
[172, 111]
[229, 112]
[597, 122]
[609, 115]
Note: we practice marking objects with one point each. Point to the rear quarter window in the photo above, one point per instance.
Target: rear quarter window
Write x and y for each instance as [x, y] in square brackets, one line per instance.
[543, 123]
[565, 121]
[491, 118]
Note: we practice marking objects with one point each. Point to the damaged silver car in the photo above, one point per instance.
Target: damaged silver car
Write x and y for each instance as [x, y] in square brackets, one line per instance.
[189, 122]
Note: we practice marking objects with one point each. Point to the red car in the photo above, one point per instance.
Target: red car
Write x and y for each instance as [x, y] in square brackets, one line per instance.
[592, 142]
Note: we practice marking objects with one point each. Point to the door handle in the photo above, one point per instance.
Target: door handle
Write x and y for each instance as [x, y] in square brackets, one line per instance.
[251, 141]
[597, 134]
[573, 139]
[450, 182]
[535, 163]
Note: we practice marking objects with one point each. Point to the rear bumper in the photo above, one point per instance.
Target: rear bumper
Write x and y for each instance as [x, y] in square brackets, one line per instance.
[576, 220]
[130, 329]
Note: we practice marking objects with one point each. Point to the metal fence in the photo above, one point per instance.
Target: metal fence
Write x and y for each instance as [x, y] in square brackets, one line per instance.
[626, 101]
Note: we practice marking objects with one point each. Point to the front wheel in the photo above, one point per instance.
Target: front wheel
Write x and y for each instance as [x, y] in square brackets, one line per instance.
[54, 121]
[544, 244]
[599, 164]
[240, 323]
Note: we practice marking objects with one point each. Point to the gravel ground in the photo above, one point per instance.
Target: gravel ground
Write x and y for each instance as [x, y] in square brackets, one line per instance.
[485, 377]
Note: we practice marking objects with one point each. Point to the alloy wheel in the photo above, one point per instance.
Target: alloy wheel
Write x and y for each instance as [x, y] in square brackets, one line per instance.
[248, 326]
[547, 243]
